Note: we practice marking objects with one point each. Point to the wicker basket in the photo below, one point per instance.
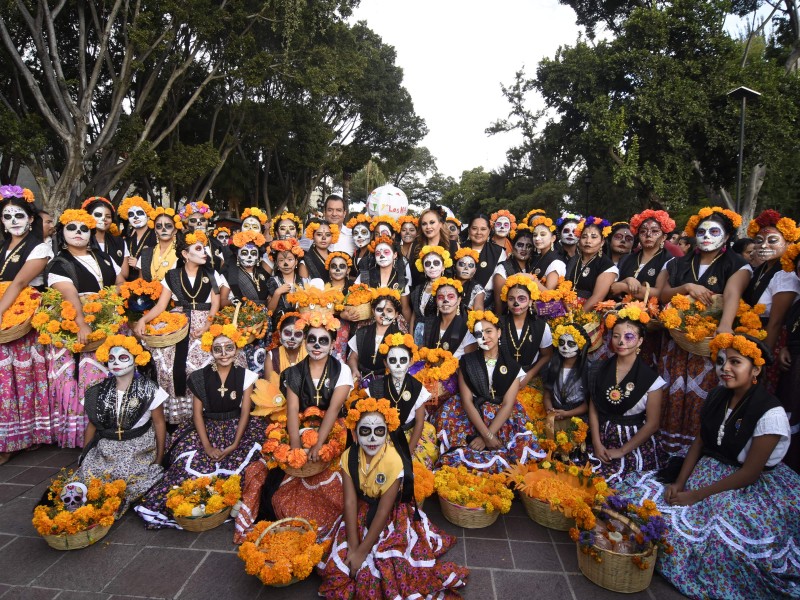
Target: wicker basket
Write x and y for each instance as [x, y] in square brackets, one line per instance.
[13, 333]
[75, 541]
[541, 512]
[92, 346]
[700, 348]
[198, 524]
[361, 312]
[307, 470]
[168, 339]
[616, 572]
[595, 333]
[468, 518]
[285, 525]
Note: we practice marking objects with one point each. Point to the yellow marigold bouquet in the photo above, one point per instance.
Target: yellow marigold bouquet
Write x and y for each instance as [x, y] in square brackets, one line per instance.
[284, 554]
[424, 481]
[471, 489]
[139, 296]
[357, 294]
[531, 400]
[313, 297]
[576, 317]
[278, 451]
[103, 499]
[23, 307]
[440, 365]
[252, 320]
[55, 320]
[563, 291]
[204, 496]
[692, 317]
[166, 322]
[748, 320]
[563, 442]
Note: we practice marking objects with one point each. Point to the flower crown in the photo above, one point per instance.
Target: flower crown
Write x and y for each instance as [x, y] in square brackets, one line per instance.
[386, 219]
[542, 220]
[89, 201]
[77, 214]
[290, 245]
[359, 218]
[229, 330]
[399, 340]
[256, 212]
[789, 257]
[130, 343]
[532, 213]
[576, 334]
[660, 216]
[384, 239]
[312, 229]
[343, 255]
[284, 217]
[567, 217]
[503, 213]
[176, 219]
[447, 281]
[196, 236]
[520, 280]
[772, 218]
[453, 220]
[241, 238]
[131, 201]
[480, 315]
[285, 316]
[600, 223]
[219, 230]
[633, 311]
[369, 405]
[706, 212]
[385, 292]
[15, 191]
[467, 251]
[444, 254]
[406, 219]
[318, 317]
[197, 207]
[739, 343]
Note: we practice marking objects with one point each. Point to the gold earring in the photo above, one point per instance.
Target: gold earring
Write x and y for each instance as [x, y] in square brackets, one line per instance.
[755, 380]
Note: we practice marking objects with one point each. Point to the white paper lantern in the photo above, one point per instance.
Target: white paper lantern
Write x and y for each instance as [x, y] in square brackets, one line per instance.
[387, 200]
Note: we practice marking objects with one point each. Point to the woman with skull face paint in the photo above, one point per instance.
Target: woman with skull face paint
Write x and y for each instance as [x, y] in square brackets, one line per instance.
[489, 253]
[193, 288]
[222, 235]
[625, 404]
[526, 337]
[156, 261]
[383, 545]
[619, 243]
[339, 265]
[432, 233]
[432, 262]
[389, 271]
[518, 263]
[106, 234]
[222, 437]
[287, 225]
[545, 263]
[485, 428]
[644, 265]
[591, 273]
[363, 258]
[447, 329]
[564, 394]
[76, 270]
[366, 361]
[286, 277]
[567, 244]
[465, 268]
[290, 349]
[25, 415]
[126, 435]
[711, 270]
[504, 227]
[137, 212]
[322, 234]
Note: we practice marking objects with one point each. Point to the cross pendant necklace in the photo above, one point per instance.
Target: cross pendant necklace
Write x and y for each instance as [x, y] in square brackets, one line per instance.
[222, 389]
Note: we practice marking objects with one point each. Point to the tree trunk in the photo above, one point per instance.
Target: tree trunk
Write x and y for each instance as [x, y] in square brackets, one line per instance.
[750, 200]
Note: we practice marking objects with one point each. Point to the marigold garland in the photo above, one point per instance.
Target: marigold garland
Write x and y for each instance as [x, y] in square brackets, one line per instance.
[542, 220]
[467, 251]
[132, 201]
[77, 214]
[166, 322]
[386, 220]
[140, 287]
[359, 218]
[633, 311]
[568, 216]
[312, 229]
[286, 216]
[445, 281]
[440, 365]
[739, 343]
[176, 218]
[338, 254]
[661, 217]
[289, 245]
[602, 224]
[369, 405]
[532, 213]
[522, 280]
[424, 481]
[219, 230]
[380, 240]
[471, 489]
[426, 250]
[23, 307]
[480, 315]
[706, 212]
[384, 292]
[241, 238]
[400, 340]
[197, 207]
[563, 292]
[129, 343]
[278, 452]
[772, 218]
[406, 219]
[256, 212]
[453, 220]
[228, 330]
[204, 496]
[789, 257]
[503, 213]
[567, 329]
[195, 237]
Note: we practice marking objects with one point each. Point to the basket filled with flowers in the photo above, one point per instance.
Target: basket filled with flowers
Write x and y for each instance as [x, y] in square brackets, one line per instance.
[17, 319]
[311, 298]
[277, 449]
[167, 329]
[202, 503]
[618, 551]
[564, 438]
[434, 370]
[139, 296]
[590, 321]
[78, 514]
[359, 302]
[282, 552]
[553, 303]
[424, 482]
[470, 499]
[251, 319]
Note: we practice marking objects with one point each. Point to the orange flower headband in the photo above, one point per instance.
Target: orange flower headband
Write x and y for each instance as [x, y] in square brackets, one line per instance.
[88, 201]
[386, 220]
[533, 212]
[381, 240]
[772, 218]
[442, 281]
[739, 343]
[284, 317]
[359, 218]
[257, 213]
[287, 216]
[132, 201]
[170, 212]
[343, 255]
[290, 245]
[371, 405]
[789, 257]
[503, 213]
[15, 191]
[400, 340]
[706, 212]
[467, 251]
[542, 220]
[241, 238]
[318, 317]
[197, 207]
[77, 214]
[196, 236]
[633, 311]
[520, 280]
[598, 222]
[219, 230]
[130, 343]
[384, 292]
[228, 330]
[312, 229]
[659, 216]
[562, 330]
[480, 315]
[426, 250]
[407, 219]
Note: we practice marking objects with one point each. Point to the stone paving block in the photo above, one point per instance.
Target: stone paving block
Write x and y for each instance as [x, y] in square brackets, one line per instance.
[4, 589]
[60, 460]
[24, 559]
[586, 589]
[15, 517]
[34, 457]
[298, 591]
[661, 589]
[569, 557]
[9, 491]
[491, 554]
[221, 576]
[8, 471]
[522, 528]
[479, 585]
[68, 595]
[71, 572]
[560, 537]
[5, 539]
[495, 531]
[535, 556]
[156, 572]
[532, 586]
[219, 538]
[30, 593]
[34, 475]
[131, 530]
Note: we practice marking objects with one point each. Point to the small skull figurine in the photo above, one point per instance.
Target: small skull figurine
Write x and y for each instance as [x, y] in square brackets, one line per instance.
[73, 496]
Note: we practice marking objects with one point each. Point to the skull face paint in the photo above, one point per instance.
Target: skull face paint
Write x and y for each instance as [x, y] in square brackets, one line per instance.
[120, 361]
[433, 266]
[165, 228]
[102, 216]
[384, 313]
[197, 223]
[361, 236]
[542, 238]
[398, 361]
[478, 333]
[371, 432]
[76, 234]
[710, 236]
[137, 217]
[223, 238]
[770, 244]
[568, 237]
[384, 255]
[318, 343]
[251, 224]
[719, 364]
[196, 253]
[567, 346]
[16, 220]
[248, 256]
[73, 495]
[466, 268]
[287, 229]
[523, 247]
[446, 299]
[291, 338]
[518, 300]
[223, 349]
[338, 269]
[502, 227]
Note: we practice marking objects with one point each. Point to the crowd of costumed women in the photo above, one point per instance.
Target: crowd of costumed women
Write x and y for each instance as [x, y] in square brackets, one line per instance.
[338, 319]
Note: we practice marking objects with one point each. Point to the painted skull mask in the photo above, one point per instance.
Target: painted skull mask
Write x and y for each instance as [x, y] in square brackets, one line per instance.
[372, 433]
[73, 495]
[567, 346]
[361, 235]
[398, 361]
[248, 256]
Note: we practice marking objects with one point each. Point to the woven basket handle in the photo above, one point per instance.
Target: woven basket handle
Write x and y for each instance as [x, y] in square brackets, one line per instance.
[646, 291]
[272, 526]
[236, 313]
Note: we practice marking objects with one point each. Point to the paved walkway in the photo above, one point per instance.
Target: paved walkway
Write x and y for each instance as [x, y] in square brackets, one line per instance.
[514, 558]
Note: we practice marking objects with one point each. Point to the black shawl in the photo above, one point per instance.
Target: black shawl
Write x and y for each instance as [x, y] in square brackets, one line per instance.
[760, 281]
[219, 402]
[476, 376]
[487, 262]
[584, 276]
[452, 336]
[135, 248]
[539, 263]
[630, 266]
[632, 387]
[383, 387]
[298, 379]
[526, 342]
[243, 286]
[85, 281]
[365, 342]
[13, 263]
[316, 265]
[716, 275]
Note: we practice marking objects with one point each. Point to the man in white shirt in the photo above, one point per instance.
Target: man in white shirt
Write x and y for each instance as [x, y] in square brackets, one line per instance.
[334, 210]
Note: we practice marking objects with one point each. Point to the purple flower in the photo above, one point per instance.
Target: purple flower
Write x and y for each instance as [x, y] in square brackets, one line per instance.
[654, 530]
[11, 191]
[586, 538]
[617, 503]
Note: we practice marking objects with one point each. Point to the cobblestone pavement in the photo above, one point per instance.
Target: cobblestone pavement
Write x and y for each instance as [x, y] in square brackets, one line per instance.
[514, 558]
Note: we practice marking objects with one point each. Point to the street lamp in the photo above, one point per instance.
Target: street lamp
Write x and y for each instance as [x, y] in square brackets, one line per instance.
[741, 93]
[587, 181]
